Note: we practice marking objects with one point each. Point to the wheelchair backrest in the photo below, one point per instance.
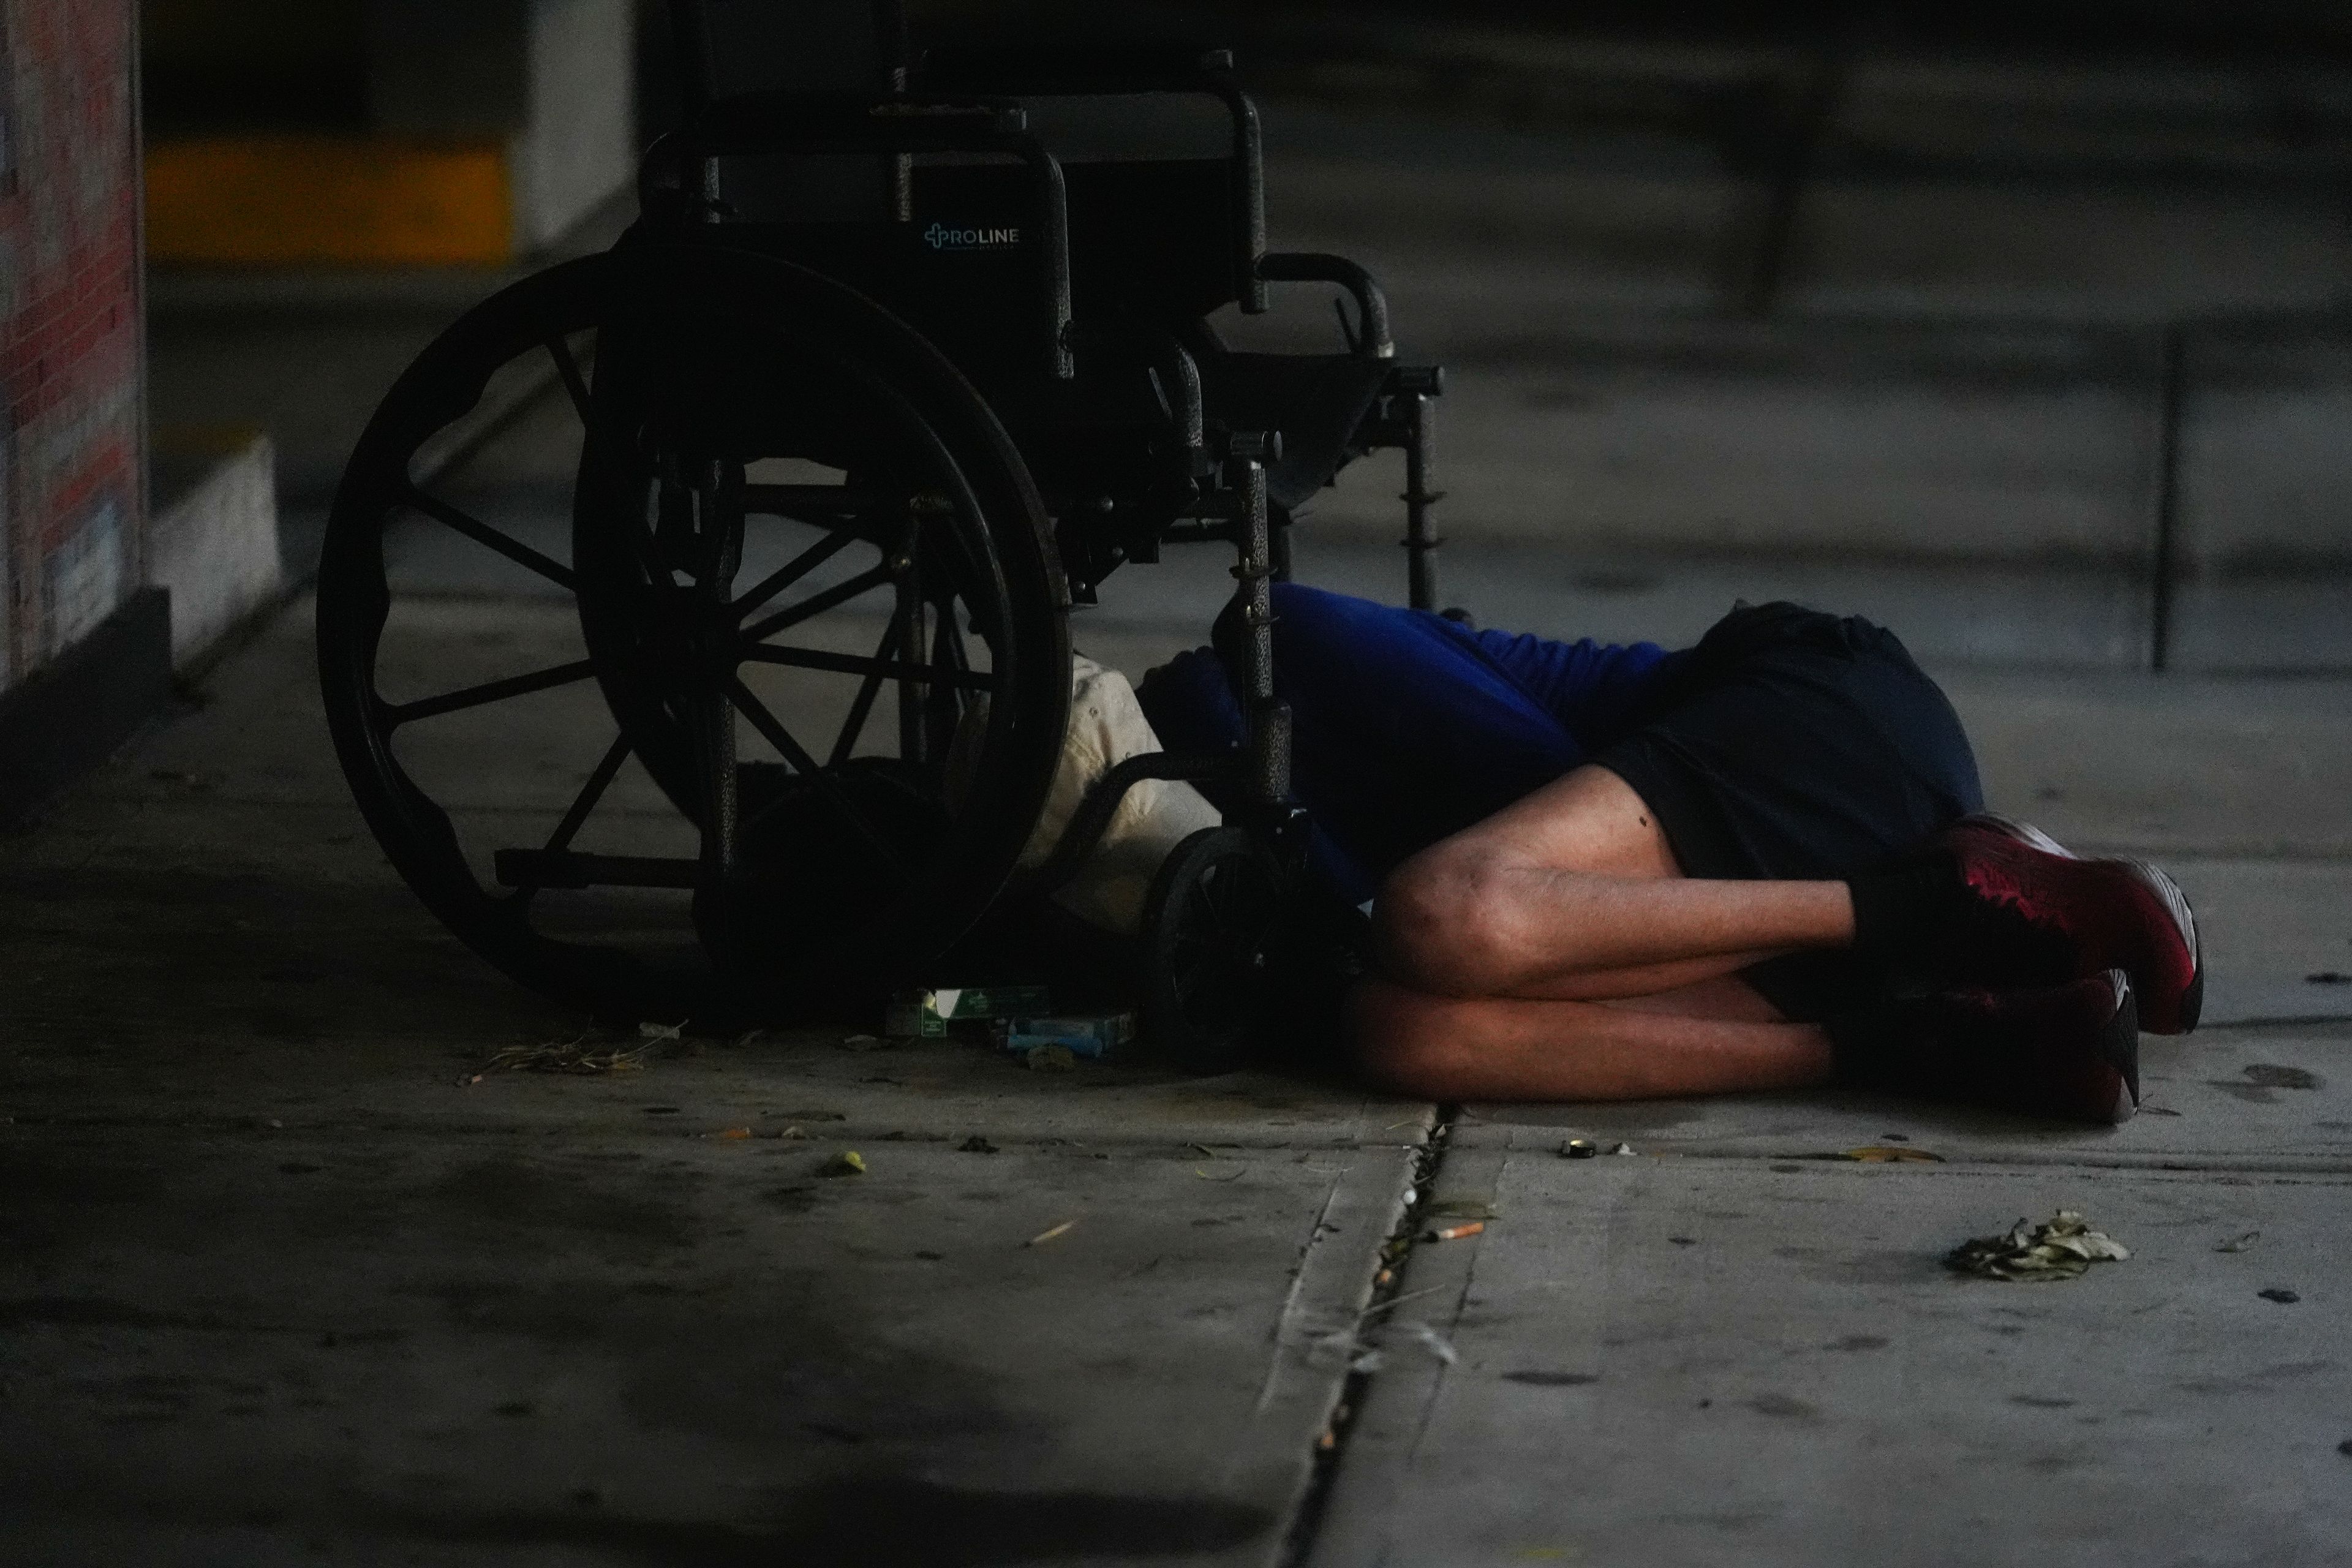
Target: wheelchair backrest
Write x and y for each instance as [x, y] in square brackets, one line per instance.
[730, 48]
[1159, 162]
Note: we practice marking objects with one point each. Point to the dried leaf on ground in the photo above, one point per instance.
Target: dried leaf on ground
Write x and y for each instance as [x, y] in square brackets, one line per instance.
[848, 1163]
[1888, 1154]
[2239, 1243]
[2062, 1248]
[1050, 1059]
[585, 1055]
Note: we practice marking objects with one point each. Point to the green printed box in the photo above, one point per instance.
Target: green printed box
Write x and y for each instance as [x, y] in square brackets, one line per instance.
[926, 1015]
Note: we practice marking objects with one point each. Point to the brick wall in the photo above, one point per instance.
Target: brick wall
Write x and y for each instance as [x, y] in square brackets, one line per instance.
[70, 523]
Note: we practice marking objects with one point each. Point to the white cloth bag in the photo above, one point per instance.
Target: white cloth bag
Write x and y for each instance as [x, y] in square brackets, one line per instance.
[1106, 727]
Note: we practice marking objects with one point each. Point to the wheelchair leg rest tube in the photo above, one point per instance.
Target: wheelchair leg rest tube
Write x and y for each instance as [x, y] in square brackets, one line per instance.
[1420, 540]
[717, 509]
[1269, 717]
[913, 696]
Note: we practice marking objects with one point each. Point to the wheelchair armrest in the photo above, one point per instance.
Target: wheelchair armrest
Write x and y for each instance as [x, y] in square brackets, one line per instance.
[1142, 70]
[1372, 306]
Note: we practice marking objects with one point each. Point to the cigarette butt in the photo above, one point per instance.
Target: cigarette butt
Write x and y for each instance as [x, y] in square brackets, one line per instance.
[1045, 1235]
[1384, 1277]
[1456, 1231]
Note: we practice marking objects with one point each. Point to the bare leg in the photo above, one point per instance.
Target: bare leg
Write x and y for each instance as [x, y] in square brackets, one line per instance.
[1574, 892]
[1714, 1038]
[1639, 982]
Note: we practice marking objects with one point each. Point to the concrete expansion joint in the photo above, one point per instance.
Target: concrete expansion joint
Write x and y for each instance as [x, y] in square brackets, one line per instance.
[1390, 1266]
[2002, 1162]
[2301, 1021]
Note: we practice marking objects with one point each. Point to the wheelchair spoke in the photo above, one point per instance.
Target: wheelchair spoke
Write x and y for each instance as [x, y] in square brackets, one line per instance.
[600, 778]
[490, 538]
[569, 369]
[399, 713]
[818, 603]
[867, 690]
[807, 766]
[590, 793]
[799, 566]
[886, 669]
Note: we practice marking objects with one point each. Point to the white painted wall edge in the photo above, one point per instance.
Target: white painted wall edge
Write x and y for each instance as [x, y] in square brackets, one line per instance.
[216, 548]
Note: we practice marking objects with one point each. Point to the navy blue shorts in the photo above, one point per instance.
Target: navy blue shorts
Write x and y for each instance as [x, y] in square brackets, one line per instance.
[1794, 745]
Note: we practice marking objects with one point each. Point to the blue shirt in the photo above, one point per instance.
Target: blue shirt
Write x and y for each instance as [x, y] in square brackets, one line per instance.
[1408, 727]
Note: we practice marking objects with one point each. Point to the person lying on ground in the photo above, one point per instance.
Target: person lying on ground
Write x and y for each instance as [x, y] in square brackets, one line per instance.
[1762, 862]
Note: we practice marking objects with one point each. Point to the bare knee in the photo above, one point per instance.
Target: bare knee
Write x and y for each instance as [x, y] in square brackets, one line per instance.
[1445, 923]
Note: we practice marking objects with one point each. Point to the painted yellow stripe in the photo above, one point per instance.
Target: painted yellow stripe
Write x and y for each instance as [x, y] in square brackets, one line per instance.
[356, 201]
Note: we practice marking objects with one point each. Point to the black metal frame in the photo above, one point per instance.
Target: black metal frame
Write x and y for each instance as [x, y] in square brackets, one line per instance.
[1217, 486]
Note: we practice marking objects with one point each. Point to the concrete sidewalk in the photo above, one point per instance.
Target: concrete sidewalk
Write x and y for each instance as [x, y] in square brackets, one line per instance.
[284, 1279]
[285, 1275]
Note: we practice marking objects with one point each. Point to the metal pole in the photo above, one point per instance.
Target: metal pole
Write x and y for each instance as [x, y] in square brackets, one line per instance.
[2171, 393]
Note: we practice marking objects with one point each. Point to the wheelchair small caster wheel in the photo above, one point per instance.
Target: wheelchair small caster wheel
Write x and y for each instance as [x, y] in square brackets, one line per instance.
[1210, 924]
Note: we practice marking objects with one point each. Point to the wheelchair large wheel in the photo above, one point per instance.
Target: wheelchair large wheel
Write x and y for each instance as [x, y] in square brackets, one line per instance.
[1211, 923]
[688, 755]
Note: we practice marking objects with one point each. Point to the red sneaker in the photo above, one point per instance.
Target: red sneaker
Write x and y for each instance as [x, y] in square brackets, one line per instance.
[2046, 914]
[2069, 1050]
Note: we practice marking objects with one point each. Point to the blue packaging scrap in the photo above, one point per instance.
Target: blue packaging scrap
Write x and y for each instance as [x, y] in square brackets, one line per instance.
[1090, 1034]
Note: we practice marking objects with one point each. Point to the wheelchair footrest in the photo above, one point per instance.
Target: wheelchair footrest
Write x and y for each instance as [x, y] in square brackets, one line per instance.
[562, 869]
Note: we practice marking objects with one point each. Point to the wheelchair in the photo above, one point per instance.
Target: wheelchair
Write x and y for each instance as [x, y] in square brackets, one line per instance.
[901, 358]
